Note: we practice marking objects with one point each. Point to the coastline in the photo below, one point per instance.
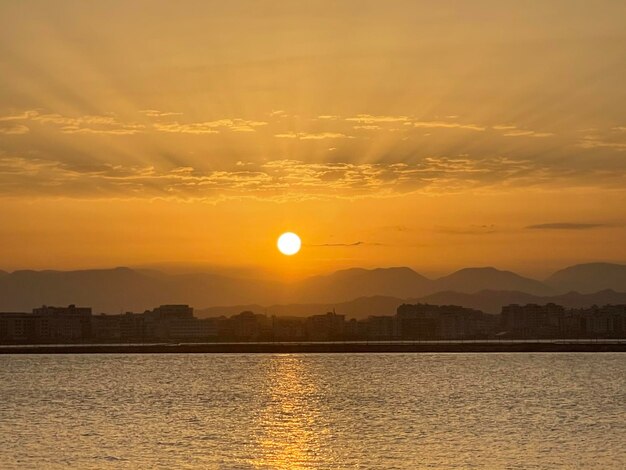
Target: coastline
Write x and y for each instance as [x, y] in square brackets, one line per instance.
[320, 347]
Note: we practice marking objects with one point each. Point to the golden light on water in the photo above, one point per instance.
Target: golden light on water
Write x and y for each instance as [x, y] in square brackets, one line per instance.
[293, 429]
[289, 243]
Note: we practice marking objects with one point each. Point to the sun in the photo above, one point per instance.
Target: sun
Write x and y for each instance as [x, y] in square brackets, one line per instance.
[289, 243]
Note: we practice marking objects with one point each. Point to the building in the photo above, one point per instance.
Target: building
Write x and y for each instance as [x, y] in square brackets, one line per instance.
[250, 326]
[187, 328]
[288, 329]
[17, 327]
[164, 323]
[418, 321]
[177, 321]
[603, 322]
[461, 323]
[62, 323]
[327, 327]
[73, 324]
[171, 311]
[127, 327]
[380, 328]
[443, 322]
[532, 320]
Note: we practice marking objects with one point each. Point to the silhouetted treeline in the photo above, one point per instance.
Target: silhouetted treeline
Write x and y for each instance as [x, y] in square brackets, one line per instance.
[412, 322]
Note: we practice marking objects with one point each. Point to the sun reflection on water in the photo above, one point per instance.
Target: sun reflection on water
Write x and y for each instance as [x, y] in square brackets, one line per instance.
[293, 431]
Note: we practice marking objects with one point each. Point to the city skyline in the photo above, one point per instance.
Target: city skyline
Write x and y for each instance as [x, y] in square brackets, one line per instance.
[422, 321]
[312, 234]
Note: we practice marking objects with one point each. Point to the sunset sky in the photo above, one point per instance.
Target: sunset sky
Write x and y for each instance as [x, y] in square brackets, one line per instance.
[435, 135]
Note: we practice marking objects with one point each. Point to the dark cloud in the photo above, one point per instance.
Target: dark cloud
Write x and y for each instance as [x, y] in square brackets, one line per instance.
[340, 244]
[324, 245]
[565, 226]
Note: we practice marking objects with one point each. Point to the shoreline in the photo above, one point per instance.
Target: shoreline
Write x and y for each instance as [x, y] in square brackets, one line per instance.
[295, 348]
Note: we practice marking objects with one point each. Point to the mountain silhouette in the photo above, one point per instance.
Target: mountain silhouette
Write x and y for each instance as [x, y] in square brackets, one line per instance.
[361, 307]
[471, 280]
[589, 277]
[126, 289]
[357, 282]
[491, 301]
[487, 301]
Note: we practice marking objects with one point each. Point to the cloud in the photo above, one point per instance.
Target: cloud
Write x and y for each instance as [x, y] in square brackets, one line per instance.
[18, 117]
[19, 175]
[313, 136]
[367, 120]
[390, 167]
[15, 129]
[209, 127]
[194, 128]
[87, 124]
[565, 226]
[157, 114]
[335, 245]
[278, 180]
[520, 133]
[514, 131]
[109, 124]
[271, 179]
[338, 244]
[370, 119]
[597, 142]
[446, 125]
[105, 131]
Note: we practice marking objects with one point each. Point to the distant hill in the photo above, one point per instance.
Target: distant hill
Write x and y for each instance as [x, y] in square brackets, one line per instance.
[486, 301]
[352, 283]
[126, 289]
[470, 280]
[492, 301]
[404, 282]
[589, 277]
[357, 308]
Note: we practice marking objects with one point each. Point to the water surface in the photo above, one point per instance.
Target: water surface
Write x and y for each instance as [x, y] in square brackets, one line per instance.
[448, 411]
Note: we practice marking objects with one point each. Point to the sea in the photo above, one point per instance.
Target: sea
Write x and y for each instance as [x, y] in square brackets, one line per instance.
[320, 411]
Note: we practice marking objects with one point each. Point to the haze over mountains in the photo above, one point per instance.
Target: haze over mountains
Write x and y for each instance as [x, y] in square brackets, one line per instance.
[487, 301]
[125, 289]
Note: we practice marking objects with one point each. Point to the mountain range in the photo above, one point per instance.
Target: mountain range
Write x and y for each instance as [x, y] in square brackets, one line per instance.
[126, 289]
[487, 301]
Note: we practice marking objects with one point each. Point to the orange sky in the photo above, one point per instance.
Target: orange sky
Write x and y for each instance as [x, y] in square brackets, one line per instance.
[435, 135]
